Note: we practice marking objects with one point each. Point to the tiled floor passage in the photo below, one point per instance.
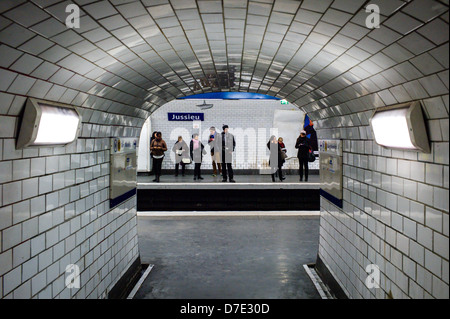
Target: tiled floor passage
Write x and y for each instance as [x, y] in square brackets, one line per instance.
[235, 257]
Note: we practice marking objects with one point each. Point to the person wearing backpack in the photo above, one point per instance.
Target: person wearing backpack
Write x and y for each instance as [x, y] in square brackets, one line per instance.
[304, 149]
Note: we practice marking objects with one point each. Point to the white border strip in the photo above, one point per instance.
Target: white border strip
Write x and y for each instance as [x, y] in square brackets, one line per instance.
[316, 282]
[227, 213]
[140, 282]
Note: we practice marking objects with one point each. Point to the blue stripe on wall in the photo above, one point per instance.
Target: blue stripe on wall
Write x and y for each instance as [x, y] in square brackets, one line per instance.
[230, 96]
[118, 200]
[331, 198]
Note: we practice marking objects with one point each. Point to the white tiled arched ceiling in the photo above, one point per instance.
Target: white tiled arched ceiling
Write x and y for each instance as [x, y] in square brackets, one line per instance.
[130, 57]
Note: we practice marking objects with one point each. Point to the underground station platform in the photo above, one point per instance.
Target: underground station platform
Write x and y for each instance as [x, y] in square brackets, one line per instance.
[249, 192]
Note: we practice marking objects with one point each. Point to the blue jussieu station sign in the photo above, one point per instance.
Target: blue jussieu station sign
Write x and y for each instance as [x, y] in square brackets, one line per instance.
[186, 116]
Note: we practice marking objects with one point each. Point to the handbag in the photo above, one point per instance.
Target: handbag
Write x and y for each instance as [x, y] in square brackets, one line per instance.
[283, 155]
[311, 157]
[186, 160]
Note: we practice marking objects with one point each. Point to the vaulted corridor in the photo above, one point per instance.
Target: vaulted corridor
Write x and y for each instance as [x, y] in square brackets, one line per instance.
[67, 232]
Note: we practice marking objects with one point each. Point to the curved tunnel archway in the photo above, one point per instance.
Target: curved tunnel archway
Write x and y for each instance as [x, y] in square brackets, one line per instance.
[129, 58]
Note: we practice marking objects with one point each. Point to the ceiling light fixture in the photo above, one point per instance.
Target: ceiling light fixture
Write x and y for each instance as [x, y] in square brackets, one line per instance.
[205, 106]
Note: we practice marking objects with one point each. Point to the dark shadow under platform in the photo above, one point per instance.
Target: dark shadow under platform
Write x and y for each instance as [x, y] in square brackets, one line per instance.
[250, 192]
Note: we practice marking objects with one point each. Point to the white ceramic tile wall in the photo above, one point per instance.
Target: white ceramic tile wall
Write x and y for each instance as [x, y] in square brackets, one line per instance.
[39, 233]
[416, 194]
[116, 70]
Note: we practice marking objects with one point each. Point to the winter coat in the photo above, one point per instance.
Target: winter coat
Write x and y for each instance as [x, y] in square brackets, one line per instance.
[184, 148]
[303, 147]
[197, 155]
[276, 158]
[211, 142]
[162, 147]
[223, 148]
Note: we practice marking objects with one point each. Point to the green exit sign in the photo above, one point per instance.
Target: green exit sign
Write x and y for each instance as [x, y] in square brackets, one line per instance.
[284, 102]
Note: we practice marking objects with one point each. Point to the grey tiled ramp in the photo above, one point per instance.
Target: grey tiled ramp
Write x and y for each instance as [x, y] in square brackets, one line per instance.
[228, 257]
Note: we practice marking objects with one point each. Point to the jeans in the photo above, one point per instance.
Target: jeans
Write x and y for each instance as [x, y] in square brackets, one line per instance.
[197, 172]
[157, 165]
[227, 170]
[183, 168]
[215, 167]
[303, 162]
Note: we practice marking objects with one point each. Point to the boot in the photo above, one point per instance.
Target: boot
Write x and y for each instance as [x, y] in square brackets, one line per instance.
[280, 174]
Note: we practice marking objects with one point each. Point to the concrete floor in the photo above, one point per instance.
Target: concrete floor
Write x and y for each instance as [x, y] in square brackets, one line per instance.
[235, 257]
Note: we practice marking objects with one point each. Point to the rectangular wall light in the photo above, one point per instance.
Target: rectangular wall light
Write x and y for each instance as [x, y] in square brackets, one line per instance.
[400, 126]
[48, 124]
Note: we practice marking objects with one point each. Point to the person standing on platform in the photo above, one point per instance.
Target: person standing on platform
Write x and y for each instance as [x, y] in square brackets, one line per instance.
[181, 151]
[275, 161]
[283, 155]
[158, 147]
[304, 148]
[226, 143]
[197, 152]
[283, 147]
[214, 155]
[151, 154]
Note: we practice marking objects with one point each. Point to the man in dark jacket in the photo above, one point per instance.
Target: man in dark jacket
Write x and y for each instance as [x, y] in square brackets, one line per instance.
[226, 144]
[303, 147]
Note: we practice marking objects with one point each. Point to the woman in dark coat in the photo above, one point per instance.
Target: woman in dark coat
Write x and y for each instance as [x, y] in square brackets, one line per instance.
[181, 151]
[283, 151]
[276, 160]
[197, 151]
[304, 148]
[158, 148]
[151, 153]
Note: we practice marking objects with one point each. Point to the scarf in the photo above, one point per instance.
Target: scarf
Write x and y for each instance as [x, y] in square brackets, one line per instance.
[196, 143]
